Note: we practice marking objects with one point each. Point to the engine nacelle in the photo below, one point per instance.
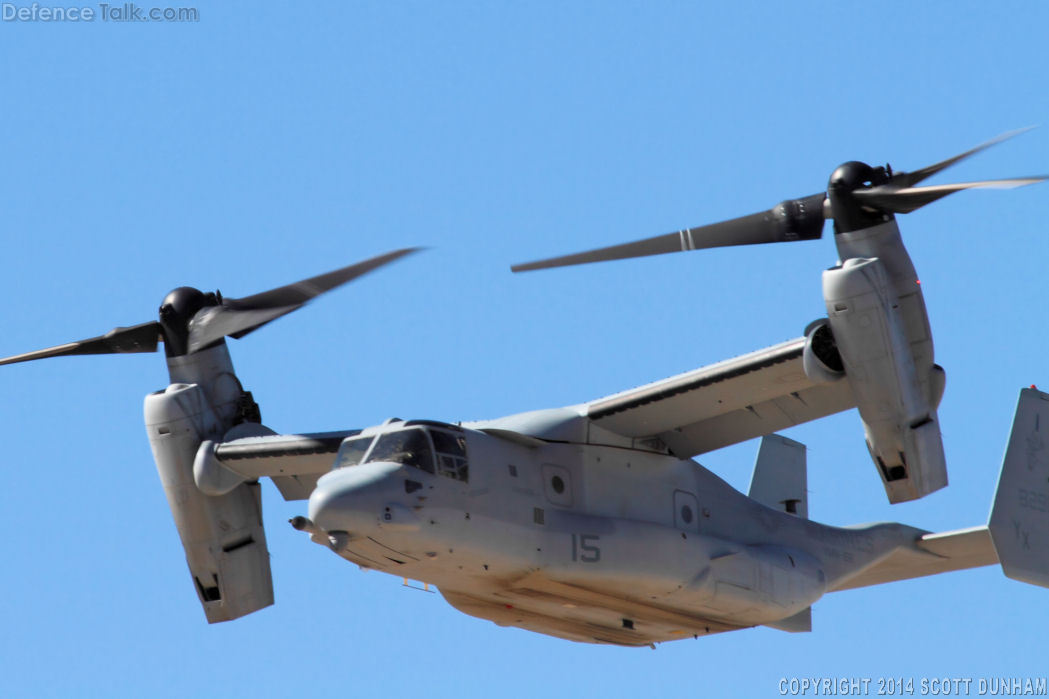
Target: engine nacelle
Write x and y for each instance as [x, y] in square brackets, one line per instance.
[210, 474]
[820, 358]
[886, 352]
[222, 535]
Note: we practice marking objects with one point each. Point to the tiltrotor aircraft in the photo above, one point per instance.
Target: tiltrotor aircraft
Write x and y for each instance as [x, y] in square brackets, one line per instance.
[592, 522]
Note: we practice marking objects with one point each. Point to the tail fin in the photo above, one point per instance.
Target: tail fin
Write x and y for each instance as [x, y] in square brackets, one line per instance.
[1020, 515]
[780, 480]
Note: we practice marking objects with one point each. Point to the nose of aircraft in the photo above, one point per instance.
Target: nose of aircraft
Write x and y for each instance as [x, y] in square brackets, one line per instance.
[348, 499]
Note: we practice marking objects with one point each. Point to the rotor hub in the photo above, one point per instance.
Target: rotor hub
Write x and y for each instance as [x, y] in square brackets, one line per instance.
[849, 215]
[176, 310]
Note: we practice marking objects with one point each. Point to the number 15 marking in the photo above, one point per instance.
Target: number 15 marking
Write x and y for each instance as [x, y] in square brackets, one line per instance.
[584, 548]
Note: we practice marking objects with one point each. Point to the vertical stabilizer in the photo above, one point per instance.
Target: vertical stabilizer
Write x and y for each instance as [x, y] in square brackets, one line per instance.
[1020, 515]
[780, 480]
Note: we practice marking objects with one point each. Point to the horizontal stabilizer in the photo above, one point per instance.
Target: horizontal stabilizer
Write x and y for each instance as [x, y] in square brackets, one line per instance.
[931, 553]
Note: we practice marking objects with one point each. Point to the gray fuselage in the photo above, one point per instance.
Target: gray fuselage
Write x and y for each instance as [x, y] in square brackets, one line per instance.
[582, 541]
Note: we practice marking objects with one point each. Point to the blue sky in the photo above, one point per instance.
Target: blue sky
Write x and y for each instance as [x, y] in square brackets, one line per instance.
[264, 144]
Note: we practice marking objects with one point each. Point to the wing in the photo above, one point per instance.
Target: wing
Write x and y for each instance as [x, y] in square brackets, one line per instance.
[293, 461]
[931, 554]
[725, 403]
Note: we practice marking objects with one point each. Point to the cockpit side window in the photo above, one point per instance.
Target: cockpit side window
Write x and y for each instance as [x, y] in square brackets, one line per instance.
[352, 450]
[451, 455]
[408, 447]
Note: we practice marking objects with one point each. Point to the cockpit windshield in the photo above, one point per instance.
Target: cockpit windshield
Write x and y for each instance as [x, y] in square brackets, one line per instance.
[352, 451]
[411, 447]
[408, 447]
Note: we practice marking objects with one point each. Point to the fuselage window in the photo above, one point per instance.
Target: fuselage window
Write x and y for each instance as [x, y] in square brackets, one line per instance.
[408, 447]
[451, 455]
[352, 451]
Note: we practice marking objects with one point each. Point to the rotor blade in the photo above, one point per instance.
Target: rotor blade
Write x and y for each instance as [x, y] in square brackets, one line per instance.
[137, 338]
[794, 219]
[904, 201]
[300, 292]
[215, 322]
[909, 179]
[238, 317]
